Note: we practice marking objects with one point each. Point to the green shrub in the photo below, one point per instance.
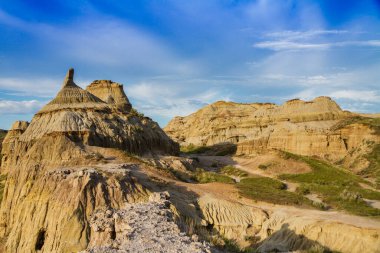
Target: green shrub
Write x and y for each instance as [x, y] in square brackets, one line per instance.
[202, 176]
[192, 149]
[270, 190]
[373, 168]
[233, 171]
[263, 167]
[330, 182]
[303, 190]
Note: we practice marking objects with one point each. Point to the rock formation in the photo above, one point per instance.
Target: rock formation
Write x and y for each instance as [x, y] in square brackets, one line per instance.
[74, 182]
[2, 136]
[112, 93]
[17, 129]
[49, 195]
[301, 127]
[142, 227]
[276, 231]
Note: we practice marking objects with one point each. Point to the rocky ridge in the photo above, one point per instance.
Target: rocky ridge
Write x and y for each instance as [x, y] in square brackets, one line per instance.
[300, 127]
[141, 227]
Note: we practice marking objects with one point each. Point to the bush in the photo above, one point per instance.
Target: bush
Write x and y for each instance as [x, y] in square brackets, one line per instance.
[270, 190]
[202, 176]
[192, 149]
[339, 188]
[233, 171]
[263, 166]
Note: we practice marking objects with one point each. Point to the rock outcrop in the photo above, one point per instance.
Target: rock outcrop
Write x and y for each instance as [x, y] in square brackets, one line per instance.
[2, 136]
[17, 129]
[55, 180]
[112, 93]
[82, 117]
[301, 127]
[141, 227]
[277, 231]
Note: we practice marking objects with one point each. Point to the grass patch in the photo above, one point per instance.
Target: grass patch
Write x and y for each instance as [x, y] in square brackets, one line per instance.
[233, 171]
[192, 149]
[330, 182]
[270, 190]
[3, 133]
[373, 168]
[221, 149]
[202, 176]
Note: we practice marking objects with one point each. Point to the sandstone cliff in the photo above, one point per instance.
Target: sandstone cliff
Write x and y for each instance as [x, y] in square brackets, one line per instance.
[112, 93]
[303, 127]
[49, 194]
[2, 136]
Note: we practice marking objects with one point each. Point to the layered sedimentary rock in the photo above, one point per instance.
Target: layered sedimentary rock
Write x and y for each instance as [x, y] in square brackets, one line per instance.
[277, 231]
[142, 227]
[2, 136]
[17, 129]
[301, 127]
[55, 180]
[83, 117]
[112, 93]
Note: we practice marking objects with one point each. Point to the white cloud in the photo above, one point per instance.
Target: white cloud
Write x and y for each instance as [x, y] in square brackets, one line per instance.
[168, 101]
[356, 95]
[364, 96]
[311, 39]
[295, 35]
[290, 45]
[19, 107]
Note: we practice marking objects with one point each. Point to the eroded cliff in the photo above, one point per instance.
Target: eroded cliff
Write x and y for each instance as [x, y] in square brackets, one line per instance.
[315, 128]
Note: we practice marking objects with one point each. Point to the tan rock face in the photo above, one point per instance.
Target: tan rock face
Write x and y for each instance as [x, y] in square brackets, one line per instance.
[17, 129]
[110, 92]
[85, 118]
[52, 188]
[300, 127]
[280, 232]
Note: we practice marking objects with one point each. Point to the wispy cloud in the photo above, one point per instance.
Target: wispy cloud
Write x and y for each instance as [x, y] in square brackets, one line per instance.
[19, 107]
[312, 39]
[160, 100]
[357, 95]
[289, 45]
[296, 35]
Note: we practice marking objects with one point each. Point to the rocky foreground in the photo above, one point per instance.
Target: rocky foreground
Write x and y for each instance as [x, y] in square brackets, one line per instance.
[142, 227]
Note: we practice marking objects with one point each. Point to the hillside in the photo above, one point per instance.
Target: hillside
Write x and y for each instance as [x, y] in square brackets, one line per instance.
[310, 128]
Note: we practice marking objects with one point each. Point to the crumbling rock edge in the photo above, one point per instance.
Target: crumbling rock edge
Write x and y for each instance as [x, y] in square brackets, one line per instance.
[141, 227]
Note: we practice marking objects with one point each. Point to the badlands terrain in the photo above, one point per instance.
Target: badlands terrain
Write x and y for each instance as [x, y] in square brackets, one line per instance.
[89, 173]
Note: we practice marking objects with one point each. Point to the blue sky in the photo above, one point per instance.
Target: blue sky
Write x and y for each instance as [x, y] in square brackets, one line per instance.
[175, 56]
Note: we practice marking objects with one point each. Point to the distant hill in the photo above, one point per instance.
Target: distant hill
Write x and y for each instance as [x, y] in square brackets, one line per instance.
[312, 128]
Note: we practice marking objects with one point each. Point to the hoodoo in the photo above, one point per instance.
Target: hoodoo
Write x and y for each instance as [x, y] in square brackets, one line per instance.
[112, 93]
[83, 117]
[54, 182]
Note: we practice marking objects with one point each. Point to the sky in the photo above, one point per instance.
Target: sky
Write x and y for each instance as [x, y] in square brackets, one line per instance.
[176, 56]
